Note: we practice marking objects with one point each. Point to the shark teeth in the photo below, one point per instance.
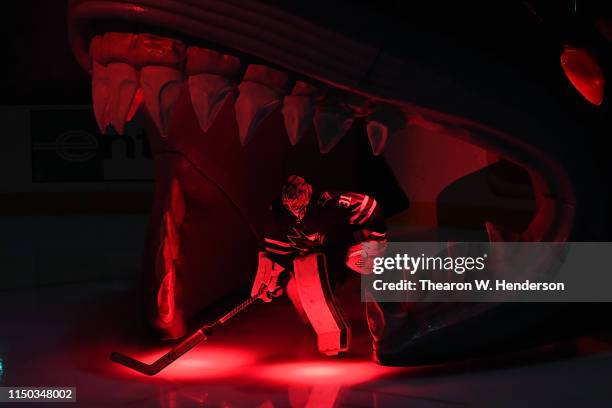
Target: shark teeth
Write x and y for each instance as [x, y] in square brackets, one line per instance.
[261, 92]
[115, 95]
[208, 94]
[212, 81]
[123, 81]
[100, 90]
[161, 88]
[299, 109]
[131, 69]
[378, 134]
[331, 122]
[380, 126]
[119, 87]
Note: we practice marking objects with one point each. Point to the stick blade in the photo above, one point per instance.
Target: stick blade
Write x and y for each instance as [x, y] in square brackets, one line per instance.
[129, 362]
[165, 360]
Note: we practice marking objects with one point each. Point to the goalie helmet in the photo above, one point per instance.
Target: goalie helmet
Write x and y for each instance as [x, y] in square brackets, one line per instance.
[296, 195]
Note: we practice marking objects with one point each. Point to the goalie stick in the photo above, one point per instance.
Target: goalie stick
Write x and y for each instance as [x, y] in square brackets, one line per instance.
[183, 347]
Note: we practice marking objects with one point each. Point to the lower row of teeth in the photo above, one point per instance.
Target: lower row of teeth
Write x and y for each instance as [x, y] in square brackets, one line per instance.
[130, 69]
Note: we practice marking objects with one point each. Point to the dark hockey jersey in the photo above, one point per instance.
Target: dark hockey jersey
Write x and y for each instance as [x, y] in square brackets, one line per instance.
[333, 222]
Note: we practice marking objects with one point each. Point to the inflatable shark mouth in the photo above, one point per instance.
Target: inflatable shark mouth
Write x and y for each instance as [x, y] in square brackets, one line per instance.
[228, 89]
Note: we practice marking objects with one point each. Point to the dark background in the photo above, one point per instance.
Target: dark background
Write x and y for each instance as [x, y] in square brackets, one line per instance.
[45, 93]
[64, 222]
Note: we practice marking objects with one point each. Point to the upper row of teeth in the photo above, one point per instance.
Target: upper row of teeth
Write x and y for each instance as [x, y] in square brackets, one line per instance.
[128, 69]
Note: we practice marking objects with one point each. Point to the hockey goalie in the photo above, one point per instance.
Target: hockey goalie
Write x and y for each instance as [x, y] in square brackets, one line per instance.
[312, 234]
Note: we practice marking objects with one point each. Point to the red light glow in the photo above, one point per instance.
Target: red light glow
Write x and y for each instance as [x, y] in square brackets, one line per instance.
[324, 372]
[584, 73]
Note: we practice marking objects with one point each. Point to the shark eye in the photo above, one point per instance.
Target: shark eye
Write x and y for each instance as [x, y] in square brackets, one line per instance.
[584, 73]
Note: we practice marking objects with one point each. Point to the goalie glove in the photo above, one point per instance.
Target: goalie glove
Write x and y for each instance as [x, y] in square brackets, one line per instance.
[266, 284]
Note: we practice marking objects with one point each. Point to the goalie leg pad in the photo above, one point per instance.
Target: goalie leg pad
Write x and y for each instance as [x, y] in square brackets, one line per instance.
[315, 293]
